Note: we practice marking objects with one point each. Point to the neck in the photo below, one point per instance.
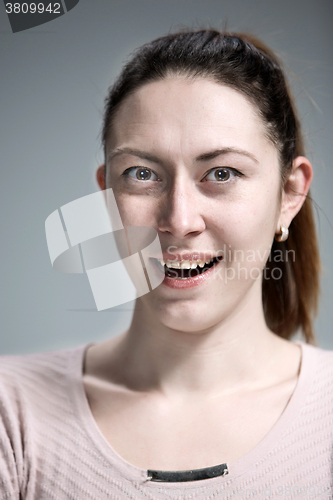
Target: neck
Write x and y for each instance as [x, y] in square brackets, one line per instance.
[238, 353]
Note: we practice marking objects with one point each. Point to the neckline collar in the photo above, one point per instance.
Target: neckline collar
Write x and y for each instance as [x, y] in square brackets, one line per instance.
[135, 474]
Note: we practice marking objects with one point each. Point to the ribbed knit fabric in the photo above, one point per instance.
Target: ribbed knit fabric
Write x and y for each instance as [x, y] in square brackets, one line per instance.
[52, 449]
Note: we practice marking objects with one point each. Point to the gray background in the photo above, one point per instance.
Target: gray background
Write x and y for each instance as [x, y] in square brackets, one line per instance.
[53, 82]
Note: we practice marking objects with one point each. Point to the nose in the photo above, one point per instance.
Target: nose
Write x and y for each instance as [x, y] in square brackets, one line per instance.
[181, 211]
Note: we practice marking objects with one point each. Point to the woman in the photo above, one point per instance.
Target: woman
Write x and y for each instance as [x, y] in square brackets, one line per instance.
[204, 395]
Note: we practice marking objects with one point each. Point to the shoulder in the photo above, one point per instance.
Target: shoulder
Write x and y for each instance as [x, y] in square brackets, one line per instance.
[35, 405]
[317, 378]
[308, 434]
[319, 359]
[23, 367]
[35, 389]
[29, 378]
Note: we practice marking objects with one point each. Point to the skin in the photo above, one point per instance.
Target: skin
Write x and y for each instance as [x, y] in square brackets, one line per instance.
[196, 355]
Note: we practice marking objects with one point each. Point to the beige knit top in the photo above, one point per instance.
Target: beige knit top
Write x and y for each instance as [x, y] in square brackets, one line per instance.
[52, 449]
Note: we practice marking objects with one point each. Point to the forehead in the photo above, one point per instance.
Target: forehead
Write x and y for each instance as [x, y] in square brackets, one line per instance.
[183, 114]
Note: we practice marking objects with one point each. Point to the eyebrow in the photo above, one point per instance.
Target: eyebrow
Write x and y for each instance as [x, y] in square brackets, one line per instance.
[203, 157]
[134, 152]
[223, 151]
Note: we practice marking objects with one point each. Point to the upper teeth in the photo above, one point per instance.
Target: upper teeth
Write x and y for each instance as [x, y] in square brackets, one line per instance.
[184, 264]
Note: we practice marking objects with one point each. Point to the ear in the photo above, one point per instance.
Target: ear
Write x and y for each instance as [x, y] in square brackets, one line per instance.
[100, 176]
[295, 191]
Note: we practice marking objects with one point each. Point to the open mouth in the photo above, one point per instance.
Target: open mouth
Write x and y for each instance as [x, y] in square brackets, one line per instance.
[186, 269]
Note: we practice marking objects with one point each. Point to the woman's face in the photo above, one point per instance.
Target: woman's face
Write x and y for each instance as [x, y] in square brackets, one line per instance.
[190, 158]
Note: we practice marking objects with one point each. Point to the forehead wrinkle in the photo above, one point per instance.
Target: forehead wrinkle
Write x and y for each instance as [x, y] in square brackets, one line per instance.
[149, 120]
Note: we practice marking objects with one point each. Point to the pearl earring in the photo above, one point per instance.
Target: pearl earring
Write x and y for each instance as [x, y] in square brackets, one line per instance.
[283, 235]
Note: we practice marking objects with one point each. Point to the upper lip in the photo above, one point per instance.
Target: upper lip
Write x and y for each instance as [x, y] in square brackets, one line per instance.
[181, 256]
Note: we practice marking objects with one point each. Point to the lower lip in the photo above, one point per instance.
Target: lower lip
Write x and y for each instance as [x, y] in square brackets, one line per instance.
[182, 284]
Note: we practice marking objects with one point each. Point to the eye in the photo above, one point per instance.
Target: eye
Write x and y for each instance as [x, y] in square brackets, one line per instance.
[222, 174]
[140, 174]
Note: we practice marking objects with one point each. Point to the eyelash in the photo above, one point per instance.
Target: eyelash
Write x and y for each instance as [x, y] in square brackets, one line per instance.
[235, 172]
[130, 169]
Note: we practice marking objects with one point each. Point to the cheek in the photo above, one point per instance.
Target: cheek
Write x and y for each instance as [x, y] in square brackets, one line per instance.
[136, 210]
[248, 225]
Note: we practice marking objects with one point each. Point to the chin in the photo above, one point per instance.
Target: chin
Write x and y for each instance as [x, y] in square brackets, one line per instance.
[186, 317]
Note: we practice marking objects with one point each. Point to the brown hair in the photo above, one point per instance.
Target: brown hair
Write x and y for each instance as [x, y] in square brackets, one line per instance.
[244, 63]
